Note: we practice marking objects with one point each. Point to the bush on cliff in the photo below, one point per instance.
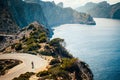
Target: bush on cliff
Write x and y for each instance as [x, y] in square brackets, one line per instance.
[33, 47]
[59, 69]
[25, 76]
[43, 39]
[54, 61]
[18, 46]
[58, 43]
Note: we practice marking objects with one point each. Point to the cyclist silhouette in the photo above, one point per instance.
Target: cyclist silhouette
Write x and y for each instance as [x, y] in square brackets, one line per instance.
[32, 64]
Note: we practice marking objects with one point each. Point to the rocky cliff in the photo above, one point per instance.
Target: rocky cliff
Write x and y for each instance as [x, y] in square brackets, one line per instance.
[21, 13]
[16, 14]
[115, 11]
[7, 23]
[102, 10]
[57, 15]
[25, 13]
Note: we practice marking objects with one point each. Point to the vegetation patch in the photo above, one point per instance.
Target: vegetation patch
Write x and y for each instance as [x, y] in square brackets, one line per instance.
[6, 64]
[58, 45]
[60, 69]
[54, 61]
[34, 39]
[25, 76]
[47, 53]
[18, 46]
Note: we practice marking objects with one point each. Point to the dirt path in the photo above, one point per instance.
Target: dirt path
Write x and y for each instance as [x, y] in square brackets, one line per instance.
[26, 66]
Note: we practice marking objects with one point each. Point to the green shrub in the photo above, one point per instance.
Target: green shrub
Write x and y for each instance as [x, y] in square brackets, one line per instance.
[43, 39]
[31, 26]
[30, 41]
[45, 53]
[42, 35]
[2, 70]
[63, 74]
[32, 52]
[35, 34]
[25, 76]
[54, 61]
[57, 71]
[58, 48]
[56, 42]
[47, 47]
[18, 46]
[42, 73]
[62, 69]
[13, 46]
[23, 38]
[33, 46]
[1, 67]
[69, 64]
[34, 29]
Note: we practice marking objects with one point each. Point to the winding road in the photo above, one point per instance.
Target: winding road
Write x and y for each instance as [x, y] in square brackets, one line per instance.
[26, 66]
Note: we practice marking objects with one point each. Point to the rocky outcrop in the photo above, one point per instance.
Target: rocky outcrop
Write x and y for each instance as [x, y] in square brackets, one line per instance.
[25, 32]
[102, 10]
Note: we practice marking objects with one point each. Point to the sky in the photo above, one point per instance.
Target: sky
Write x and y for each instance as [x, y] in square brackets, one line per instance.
[77, 3]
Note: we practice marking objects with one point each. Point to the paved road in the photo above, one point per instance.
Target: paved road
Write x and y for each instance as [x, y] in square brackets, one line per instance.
[26, 66]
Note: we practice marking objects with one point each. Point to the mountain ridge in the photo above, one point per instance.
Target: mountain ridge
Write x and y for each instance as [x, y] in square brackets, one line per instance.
[101, 10]
[46, 13]
[62, 15]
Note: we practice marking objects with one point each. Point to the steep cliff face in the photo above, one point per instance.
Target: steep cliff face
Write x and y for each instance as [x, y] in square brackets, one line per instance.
[102, 10]
[115, 11]
[25, 13]
[56, 15]
[7, 23]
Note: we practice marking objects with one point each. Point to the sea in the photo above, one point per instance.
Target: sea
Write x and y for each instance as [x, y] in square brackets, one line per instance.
[97, 45]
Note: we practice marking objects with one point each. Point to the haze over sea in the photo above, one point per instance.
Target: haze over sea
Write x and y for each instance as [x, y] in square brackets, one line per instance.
[98, 45]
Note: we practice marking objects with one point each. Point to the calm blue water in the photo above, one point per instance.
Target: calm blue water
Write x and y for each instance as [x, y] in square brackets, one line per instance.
[98, 45]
